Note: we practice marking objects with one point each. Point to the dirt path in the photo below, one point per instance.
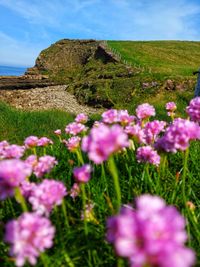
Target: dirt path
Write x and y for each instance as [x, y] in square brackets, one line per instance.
[51, 97]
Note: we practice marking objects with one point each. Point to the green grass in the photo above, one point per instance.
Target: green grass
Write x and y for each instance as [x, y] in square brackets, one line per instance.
[71, 241]
[163, 59]
[17, 125]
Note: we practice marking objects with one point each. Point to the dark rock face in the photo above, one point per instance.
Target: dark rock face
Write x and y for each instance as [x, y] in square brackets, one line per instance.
[11, 83]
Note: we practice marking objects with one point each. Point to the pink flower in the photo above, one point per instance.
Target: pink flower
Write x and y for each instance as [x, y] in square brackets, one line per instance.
[81, 118]
[124, 118]
[110, 116]
[27, 188]
[144, 111]
[32, 161]
[44, 141]
[44, 165]
[31, 141]
[82, 174]
[12, 173]
[75, 190]
[46, 195]
[152, 130]
[72, 143]
[12, 151]
[193, 110]
[178, 135]
[29, 236]
[171, 106]
[153, 234]
[104, 141]
[58, 132]
[146, 154]
[75, 128]
[135, 132]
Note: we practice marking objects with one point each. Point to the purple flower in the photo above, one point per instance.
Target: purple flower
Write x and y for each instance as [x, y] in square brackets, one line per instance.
[31, 161]
[81, 118]
[46, 195]
[29, 236]
[27, 188]
[153, 234]
[104, 141]
[44, 141]
[75, 128]
[178, 135]
[44, 165]
[152, 130]
[147, 154]
[193, 110]
[75, 190]
[171, 106]
[144, 111]
[124, 118]
[72, 143]
[110, 116]
[82, 174]
[12, 151]
[135, 132]
[58, 132]
[12, 173]
[31, 141]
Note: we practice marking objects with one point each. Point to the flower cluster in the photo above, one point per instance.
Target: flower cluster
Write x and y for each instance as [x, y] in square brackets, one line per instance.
[44, 165]
[114, 116]
[72, 143]
[81, 118]
[46, 195]
[12, 173]
[152, 130]
[75, 128]
[178, 135]
[193, 109]
[8, 151]
[144, 111]
[103, 141]
[147, 154]
[29, 236]
[82, 174]
[151, 235]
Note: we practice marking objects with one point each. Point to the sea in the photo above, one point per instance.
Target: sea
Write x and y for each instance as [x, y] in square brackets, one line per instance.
[12, 71]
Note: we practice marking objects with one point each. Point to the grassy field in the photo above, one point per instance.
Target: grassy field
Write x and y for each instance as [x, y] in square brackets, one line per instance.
[81, 242]
[161, 59]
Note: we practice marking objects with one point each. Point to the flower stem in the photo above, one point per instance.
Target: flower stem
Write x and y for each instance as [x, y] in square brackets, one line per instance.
[114, 173]
[19, 197]
[185, 160]
[65, 213]
[84, 208]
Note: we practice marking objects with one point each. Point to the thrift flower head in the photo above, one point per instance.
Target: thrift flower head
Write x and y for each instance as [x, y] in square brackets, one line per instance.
[31, 161]
[44, 165]
[31, 141]
[72, 143]
[12, 151]
[82, 174]
[27, 188]
[44, 141]
[75, 128]
[104, 141]
[75, 190]
[147, 154]
[135, 132]
[12, 173]
[124, 118]
[193, 110]
[110, 116]
[29, 236]
[46, 195]
[153, 234]
[81, 118]
[178, 135]
[144, 111]
[152, 130]
[58, 132]
[171, 106]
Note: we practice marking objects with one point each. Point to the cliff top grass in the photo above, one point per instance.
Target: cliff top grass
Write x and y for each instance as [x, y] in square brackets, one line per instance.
[161, 59]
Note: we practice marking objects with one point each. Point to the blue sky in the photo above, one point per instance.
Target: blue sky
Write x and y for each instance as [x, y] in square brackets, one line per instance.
[28, 26]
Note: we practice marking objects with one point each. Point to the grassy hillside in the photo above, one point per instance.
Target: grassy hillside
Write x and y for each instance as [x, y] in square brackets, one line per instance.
[161, 59]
